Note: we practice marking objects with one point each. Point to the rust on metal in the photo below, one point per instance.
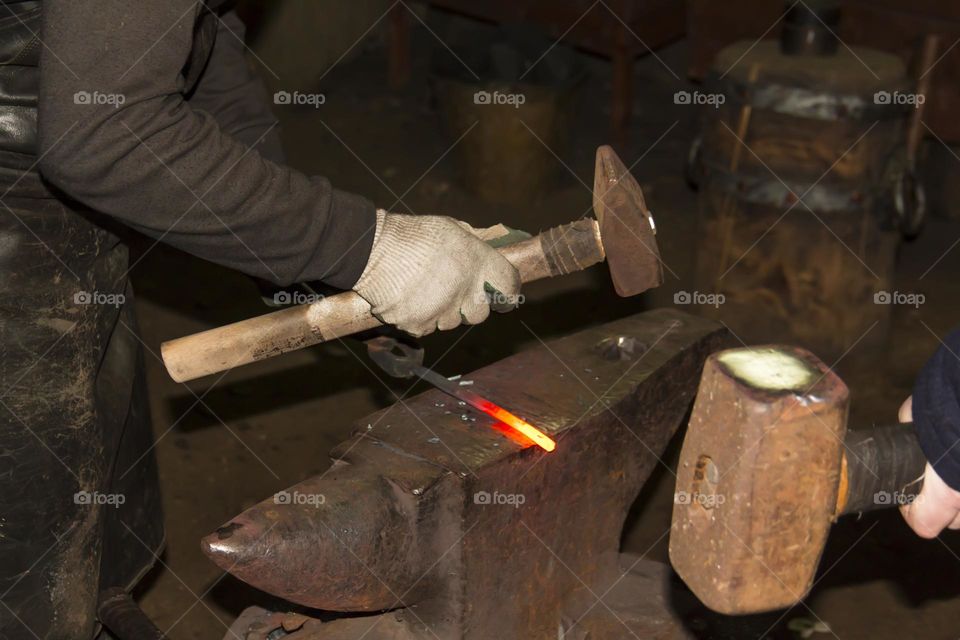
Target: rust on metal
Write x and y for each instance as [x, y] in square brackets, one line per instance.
[642, 602]
[626, 226]
[459, 533]
[758, 478]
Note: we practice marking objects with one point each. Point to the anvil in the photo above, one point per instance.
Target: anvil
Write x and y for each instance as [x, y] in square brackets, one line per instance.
[430, 524]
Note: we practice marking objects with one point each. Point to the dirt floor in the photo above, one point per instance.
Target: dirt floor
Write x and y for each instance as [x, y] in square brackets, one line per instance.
[227, 443]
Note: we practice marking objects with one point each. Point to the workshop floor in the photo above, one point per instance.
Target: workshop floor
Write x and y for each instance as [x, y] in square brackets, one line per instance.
[226, 444]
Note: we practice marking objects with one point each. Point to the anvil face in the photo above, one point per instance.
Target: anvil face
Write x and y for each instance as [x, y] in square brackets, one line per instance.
[431, 513]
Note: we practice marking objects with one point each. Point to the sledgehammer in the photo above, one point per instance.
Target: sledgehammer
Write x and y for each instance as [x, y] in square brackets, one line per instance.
[623, 233]
[767, 465]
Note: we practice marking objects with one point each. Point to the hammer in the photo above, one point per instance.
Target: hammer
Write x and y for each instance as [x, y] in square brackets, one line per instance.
[767, 465]
[623, 233]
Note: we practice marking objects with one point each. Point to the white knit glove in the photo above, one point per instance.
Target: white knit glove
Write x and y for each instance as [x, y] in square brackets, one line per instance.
[433, 272]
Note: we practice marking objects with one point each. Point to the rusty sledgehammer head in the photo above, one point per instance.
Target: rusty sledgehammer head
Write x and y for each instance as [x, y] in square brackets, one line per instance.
[626, 226]
[758, 478]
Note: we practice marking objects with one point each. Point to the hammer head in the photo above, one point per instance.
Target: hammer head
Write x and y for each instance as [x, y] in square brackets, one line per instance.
[627, 229]
[758, 478]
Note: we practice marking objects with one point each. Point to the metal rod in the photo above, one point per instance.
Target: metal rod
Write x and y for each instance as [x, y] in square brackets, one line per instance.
[483, 405]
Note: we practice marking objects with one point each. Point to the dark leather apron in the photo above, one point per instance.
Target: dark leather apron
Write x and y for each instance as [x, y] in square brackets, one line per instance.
[79, 499]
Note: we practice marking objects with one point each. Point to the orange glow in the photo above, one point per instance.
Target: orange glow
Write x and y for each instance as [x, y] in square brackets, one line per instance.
[518, 425]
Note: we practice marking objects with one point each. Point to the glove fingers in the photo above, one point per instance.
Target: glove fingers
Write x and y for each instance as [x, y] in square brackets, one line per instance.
[502, 283]
[475, 309]
[486, 233]
[424, 330]
[497, 300]
[496, 236]
[419, 330]
[450, 319]
[425, 272]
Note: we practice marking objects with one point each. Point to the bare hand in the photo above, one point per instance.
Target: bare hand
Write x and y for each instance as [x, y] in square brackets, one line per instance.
[937, 506]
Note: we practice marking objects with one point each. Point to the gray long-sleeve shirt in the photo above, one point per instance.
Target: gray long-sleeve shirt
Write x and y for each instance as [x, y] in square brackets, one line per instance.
[234, 95]
[184, 172]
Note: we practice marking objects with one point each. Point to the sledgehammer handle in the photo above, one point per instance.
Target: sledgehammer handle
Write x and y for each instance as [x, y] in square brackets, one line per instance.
[565, 249]
[881, 467]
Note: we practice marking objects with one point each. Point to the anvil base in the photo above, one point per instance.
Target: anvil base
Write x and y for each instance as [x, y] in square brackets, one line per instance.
[643, 601]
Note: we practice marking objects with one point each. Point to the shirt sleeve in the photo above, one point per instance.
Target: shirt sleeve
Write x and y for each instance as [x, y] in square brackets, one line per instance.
[936, 410]
[235, 96]
[117, 135]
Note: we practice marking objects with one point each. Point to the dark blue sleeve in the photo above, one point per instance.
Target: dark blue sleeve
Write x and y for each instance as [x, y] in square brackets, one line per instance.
[936, 410]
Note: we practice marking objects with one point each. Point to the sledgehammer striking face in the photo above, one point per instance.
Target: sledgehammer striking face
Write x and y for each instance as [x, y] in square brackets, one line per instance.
[758, 478]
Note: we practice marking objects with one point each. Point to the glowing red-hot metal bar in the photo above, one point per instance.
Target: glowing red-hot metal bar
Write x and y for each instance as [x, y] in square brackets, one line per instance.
[514, 423]
[518, 424]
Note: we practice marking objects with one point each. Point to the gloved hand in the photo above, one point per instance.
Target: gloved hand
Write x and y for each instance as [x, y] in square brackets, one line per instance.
[937, 506]
[433, 272]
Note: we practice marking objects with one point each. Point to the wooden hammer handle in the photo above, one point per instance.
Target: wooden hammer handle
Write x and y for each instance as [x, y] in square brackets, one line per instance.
[881, 467]
[565, 249]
